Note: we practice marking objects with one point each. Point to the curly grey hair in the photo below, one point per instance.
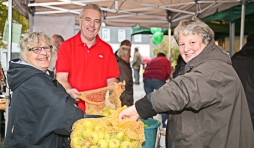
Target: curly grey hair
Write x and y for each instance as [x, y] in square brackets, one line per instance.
[31, 40]
[194, 27]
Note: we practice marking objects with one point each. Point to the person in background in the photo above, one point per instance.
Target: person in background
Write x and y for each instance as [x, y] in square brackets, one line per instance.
[124, 42]
[243, 63]
[206, 102]
[125, 73]
[157, 72]
[136, 65]
[41, 112]
[57, 41]
[85, 62]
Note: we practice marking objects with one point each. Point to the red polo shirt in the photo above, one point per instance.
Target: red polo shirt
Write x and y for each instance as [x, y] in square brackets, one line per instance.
[88, 68]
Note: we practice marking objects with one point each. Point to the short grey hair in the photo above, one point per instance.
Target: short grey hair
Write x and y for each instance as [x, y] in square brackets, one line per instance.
[90, 6]
[124, 50]
[194, 27]
[31, 40]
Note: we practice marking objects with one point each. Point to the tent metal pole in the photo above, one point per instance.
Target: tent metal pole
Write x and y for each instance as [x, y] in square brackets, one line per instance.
[242, 24]
[169, 19]
[7, 93]
[232, 39]
[169, 40]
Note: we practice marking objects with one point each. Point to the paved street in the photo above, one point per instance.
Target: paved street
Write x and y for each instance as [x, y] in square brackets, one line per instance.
[138, 91]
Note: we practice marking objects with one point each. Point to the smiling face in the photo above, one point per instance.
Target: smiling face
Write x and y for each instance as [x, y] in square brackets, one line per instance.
[40, 60]
[190, 46]
[90, 25]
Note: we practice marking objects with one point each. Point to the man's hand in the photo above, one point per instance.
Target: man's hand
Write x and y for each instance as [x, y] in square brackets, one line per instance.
[74, 93]
[122, 84]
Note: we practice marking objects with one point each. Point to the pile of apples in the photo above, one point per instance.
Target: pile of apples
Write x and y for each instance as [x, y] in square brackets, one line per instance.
[105, 111]
[94, 135]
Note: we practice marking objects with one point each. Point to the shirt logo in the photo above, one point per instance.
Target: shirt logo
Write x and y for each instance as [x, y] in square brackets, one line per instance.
[100, 56]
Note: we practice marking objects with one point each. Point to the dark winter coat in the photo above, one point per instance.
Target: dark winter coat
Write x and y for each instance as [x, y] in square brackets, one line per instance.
[41, 113]
[126, 75]
[207, 103]
[243, 63]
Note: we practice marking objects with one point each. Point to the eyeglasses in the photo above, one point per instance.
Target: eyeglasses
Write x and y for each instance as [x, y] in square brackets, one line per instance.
[37, 50]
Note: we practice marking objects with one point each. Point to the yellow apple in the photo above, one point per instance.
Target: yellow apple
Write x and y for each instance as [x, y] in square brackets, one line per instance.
[102, 143]
[114, 143]
[94, 138]
[134, 143]
[86, 132]
[126, 144]
[120, 135]
[87, 123]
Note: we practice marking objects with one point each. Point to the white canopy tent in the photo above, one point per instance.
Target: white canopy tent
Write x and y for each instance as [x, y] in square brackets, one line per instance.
[146, 13]
[126, 13]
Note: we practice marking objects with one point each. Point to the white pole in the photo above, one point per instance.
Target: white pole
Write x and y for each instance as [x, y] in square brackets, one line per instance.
[232, 39]
[7, 94]
[242, 24]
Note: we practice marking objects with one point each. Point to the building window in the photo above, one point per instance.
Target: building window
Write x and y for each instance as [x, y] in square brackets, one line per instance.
[137, 38]
[121, 35]
[105, 34]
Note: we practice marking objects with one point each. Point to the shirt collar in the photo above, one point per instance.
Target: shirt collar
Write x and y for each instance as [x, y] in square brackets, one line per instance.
[80, 42]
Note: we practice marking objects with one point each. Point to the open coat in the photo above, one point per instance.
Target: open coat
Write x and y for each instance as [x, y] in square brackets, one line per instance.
[126, 75]
[41, 112]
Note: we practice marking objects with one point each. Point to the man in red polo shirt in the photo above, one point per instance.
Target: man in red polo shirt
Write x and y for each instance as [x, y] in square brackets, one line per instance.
[85, 62]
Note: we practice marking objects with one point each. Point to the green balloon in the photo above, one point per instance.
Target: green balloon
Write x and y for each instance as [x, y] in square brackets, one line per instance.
[154, 30]
[155, 42]
[157, 38]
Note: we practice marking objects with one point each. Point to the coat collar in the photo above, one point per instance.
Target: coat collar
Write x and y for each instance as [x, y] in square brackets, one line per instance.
[210, 52]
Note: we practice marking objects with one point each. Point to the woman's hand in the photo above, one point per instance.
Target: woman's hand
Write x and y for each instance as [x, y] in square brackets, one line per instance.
[130, 113]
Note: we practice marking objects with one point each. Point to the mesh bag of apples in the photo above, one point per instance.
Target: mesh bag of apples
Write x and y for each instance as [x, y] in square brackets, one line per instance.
[102, 101]
[107, 132]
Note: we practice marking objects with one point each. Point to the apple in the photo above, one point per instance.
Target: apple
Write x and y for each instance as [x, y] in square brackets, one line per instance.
[126, 144]
[102, 143]
[86, 132]
[120, 135]
[111, 110]
[76, 141]
[114, 143]
[88, 123]
[98, 128]
[101, 134]
[94, 138]
[105, 113]
[76, 133]
[126, 138]
[78, 146]
[134, 143]
[107, 136]
[86, 143]
[146, 125]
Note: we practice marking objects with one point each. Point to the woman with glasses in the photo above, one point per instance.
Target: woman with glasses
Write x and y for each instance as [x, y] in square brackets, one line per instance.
[41, 112]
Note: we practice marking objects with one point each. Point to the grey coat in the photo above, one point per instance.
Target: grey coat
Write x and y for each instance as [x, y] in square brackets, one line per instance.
[136, 60]
[207, 104]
